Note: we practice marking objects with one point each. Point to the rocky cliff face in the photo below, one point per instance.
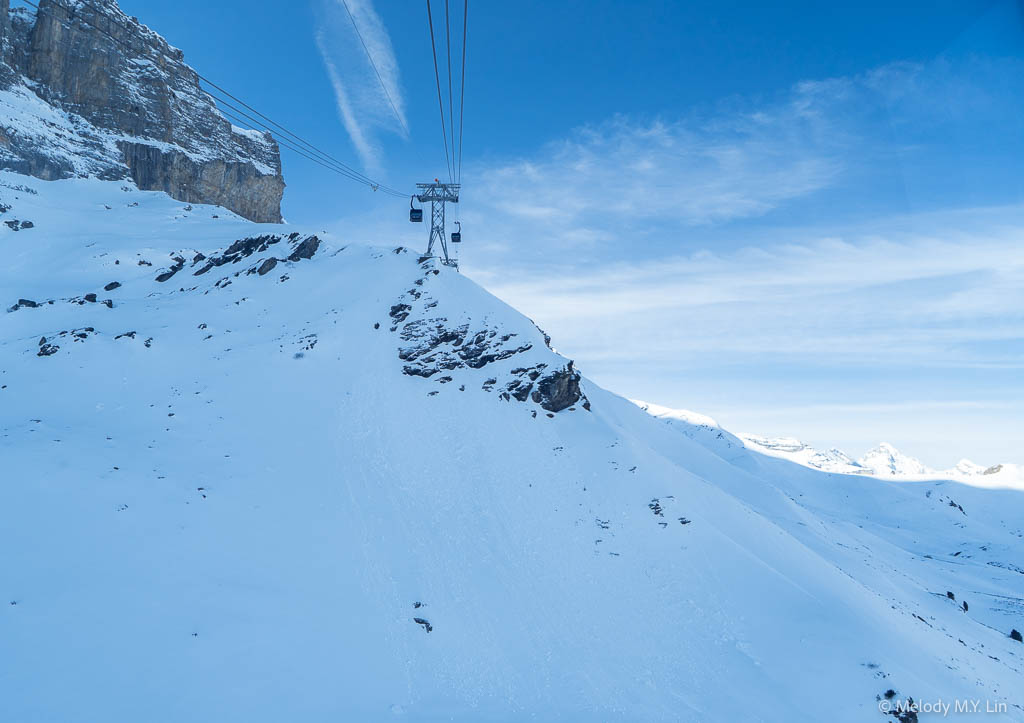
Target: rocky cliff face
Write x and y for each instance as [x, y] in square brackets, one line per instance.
[86, 90]
[5, 22]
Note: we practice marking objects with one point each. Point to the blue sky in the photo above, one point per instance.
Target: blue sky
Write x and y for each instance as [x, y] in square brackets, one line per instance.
[803, 220]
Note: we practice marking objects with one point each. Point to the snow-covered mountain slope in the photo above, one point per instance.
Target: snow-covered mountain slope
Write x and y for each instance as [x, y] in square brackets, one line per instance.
[885, 461]
[304, 479]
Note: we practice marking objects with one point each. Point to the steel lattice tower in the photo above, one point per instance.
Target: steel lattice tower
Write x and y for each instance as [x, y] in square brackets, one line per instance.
[438, 194]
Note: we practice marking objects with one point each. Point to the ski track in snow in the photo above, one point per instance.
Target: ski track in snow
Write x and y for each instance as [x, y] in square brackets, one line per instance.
[224, 499]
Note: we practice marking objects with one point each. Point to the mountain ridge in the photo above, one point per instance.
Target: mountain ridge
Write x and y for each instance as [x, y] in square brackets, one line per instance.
[882, 460]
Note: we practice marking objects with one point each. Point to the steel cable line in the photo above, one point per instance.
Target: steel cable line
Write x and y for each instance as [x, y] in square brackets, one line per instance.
[440, 103]
[246, 125]
[323, 160]
[448, 43]
[302, 152]
[299, 151]
[355, 175]
[462, 92]
[313, 149]
[252, 123]
[374, 65]
[343, 170]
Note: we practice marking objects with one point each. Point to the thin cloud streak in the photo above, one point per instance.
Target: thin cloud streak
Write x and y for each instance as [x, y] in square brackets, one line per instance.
[369, 93]
[366, 150]
[382, 54]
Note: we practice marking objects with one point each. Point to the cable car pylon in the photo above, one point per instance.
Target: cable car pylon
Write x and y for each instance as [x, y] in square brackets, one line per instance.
[438, 194]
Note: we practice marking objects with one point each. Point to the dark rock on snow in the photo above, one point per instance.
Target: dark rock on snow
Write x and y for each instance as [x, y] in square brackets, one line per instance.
[240, 249]
[306, 249]
[179, 264]
[559, 390]
[246, 247]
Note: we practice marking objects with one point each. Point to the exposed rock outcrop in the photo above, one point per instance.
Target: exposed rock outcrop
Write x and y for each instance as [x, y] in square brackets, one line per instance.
[90, 91]
[6, 71]
[434, 345]
[559, 390]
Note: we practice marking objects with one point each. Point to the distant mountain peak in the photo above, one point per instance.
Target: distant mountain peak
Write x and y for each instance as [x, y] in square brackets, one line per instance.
[833, 460]
[967, 467]
[885, 459]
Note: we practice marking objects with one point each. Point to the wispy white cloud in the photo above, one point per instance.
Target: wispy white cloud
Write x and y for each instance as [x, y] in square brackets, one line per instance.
[364, 147]
[639, 183]
[691, 173]
[637, 177]
[841, 263]
[350, 35]
[593, 229]
[939, 298]
[845, 339]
